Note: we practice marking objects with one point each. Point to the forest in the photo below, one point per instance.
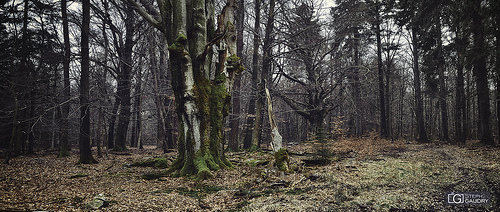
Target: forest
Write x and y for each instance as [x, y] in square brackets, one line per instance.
[249, 105]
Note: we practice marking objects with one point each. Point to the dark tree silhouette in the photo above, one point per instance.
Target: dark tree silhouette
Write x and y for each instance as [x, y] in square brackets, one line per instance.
[84, 137]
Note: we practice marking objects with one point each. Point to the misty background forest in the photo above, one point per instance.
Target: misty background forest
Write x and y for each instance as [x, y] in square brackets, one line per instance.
[262, 102]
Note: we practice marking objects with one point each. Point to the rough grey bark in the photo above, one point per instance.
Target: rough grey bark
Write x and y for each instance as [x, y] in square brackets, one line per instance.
[63, 145]
[443, 93]
[460, 101]
[418, 90]
[20, 91]
[84, 137]
[202, 91]
[235, 117]
[480, 73]
[264, 75]
[247, 142]
[383, 118]
[137, 117]
[497, 66]
[124, 80]
[358, 130]
[112, 121]
[13, 132]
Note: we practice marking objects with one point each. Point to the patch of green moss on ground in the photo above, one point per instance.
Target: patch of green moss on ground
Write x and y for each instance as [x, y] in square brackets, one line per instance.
[160, 163]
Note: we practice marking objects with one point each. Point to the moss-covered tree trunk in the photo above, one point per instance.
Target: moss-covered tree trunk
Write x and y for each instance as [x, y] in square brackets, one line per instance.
[202, 90]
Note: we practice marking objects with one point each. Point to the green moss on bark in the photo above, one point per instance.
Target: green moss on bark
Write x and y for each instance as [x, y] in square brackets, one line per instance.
[160, 163]
[179, 161]
[204, 162]
[282, 160]
[219, 102]
[235, 63]
[178, 46]
[212, 102]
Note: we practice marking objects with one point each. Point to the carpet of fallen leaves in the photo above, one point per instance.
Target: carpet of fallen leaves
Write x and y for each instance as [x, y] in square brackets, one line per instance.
[367, 174]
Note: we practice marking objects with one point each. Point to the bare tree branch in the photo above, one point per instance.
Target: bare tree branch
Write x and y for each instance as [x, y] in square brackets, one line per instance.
[146, 15]
[293, 104]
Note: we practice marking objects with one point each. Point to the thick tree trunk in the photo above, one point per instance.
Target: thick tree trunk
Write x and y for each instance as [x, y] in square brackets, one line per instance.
[63, 145]
[357, 86]
[266, 70]
[125, 75]
[442, 89]
[497, 67]
[481, 74]
[247, 142]
[169, 114]
[30, 136]
[14, 133]
[136, 128]
[112, 121]
[100, 133]
[383, 118]
[460, 103]
[21, 91]
[418, 93]
[317, 122]
[257, 127]
[235, 118]
[460, 113]
[85, 151]
[202, 102]
[159, 89]
[388, 106]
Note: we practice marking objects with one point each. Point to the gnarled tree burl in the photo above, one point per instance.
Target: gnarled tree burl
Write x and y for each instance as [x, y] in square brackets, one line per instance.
[203, 63]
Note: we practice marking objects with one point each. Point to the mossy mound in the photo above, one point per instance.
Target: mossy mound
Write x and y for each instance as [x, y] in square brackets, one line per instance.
[153, 176]
[282, 159]
[159, 163]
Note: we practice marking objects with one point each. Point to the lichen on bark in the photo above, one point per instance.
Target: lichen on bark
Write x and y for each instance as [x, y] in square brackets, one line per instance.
[212, 102]
[202, 91]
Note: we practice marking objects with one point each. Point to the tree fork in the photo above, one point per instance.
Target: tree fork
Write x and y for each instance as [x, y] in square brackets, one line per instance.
[202, 103]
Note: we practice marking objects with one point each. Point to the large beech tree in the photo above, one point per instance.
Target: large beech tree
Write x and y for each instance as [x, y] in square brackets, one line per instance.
[308, 49]
[202, 85]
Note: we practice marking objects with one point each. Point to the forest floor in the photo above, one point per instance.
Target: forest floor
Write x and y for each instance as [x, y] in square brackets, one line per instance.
[365, 175]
